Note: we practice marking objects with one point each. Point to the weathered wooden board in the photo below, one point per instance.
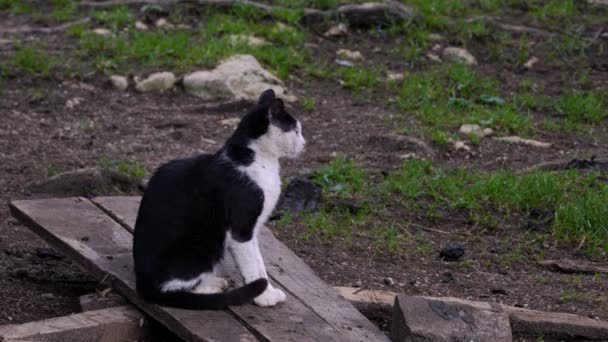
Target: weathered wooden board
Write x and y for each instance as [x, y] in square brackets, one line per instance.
[286, 269]
[97, 242]
[121, 323]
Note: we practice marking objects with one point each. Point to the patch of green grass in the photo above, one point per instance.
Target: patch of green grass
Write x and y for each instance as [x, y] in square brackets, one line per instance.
[309, 104]
[341, 176]
[114, 19]
[358, 79]
[63, 10]
[184, 50]
[15, 7]
[33, 61]
[583, 107]
[134, 170]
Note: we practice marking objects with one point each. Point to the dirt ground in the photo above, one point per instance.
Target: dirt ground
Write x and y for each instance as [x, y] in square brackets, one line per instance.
[39, 136]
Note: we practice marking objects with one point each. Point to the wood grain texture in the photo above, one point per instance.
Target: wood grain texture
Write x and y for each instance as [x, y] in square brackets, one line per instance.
[296, 278]
[119, 323]
[102, 246]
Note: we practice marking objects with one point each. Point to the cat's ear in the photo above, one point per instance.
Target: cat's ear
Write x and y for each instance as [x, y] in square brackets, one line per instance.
[266, 97]
[277, 108]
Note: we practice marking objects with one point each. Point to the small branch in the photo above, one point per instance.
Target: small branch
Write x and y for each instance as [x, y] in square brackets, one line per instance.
[47, 30]
[437, 230]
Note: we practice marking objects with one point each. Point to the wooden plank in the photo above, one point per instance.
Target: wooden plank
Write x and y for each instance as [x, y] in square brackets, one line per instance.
[120, 323]
[93, 239]
[288, 270]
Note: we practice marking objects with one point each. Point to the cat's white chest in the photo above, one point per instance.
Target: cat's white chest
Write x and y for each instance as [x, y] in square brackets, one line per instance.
[265, 173]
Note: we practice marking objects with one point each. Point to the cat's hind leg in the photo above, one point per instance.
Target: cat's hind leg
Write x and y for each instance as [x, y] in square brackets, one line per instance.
[210, 283]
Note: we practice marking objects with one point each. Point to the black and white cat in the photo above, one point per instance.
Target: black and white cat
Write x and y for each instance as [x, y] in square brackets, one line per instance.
[194, 209]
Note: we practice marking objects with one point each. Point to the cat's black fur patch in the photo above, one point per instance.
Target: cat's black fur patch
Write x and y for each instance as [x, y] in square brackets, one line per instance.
[188, 207]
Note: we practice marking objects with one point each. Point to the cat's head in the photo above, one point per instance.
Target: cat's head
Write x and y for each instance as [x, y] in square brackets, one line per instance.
[271, 129]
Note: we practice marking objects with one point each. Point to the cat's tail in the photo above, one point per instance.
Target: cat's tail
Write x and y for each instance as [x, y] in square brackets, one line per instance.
[213, 301]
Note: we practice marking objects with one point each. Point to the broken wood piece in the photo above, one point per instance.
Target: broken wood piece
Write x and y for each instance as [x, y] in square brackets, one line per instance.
[120, 323]
[312, 312]
[422, 319]
[574, 266]
[523, 321]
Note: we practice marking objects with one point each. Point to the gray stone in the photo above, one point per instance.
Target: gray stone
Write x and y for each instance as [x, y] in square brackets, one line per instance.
[473, 129]
[457, 54]
[418, 319]
[83, 182]
[155, 82]
[350, 55]
[236, 39]
[241, 77]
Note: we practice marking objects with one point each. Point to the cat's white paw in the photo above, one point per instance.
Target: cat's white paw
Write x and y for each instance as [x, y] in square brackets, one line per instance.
[213, 285]
[270, 297]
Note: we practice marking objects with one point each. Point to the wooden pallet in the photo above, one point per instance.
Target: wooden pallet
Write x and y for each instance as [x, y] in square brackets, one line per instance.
[97, 234]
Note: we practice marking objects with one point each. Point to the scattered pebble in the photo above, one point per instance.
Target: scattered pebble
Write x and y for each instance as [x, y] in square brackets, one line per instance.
[394, 76]
[350, 55]
[359, 283]
[73, 102]
[435, 37]
[230, 122]
[139, 25]
[344, 62]
[119, 82]
[522, 141]
[158, 81]
[469, 129]
[336, 31]
[102, 31]
[164, 23]
[460, 145]
[47, 296]
[388, 281]
[530, 63]
[459, 55]
[452, 252]
[433, 57]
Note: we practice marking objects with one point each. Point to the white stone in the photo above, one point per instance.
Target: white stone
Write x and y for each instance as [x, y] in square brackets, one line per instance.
[119, 82]
[230, 121]
[475, 130]
[459, 55]
[348, 54]
[336, 31]
[102, 31]
[433, 57]
[394, 76]
[73, 102]
[460, 145]
[159, 81]
[240, 77]
[139, 25]
[249, 40]
[164, 23]
[530, 63]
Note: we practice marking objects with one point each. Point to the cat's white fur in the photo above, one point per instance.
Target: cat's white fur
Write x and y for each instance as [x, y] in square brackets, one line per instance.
[264, 171]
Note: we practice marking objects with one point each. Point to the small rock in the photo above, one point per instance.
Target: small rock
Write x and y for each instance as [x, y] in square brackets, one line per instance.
[435, 37]
[530, 63]
[139, 25]
[119, 82]
[72, 103]
[460, 145]
[519, 140]
[344, 62]
[301, 195]
[394, 76]
[248, 40]
[469, 129]
[459, 55]
[241, 77]
[156, 82]
[230, 122]
[164, 23]
[433, 57]
[359, 283]
[48, 253]
[351, 55]
[47, 296]
[102, 31]
[388, 281]
[452, 252]
[336, 31]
